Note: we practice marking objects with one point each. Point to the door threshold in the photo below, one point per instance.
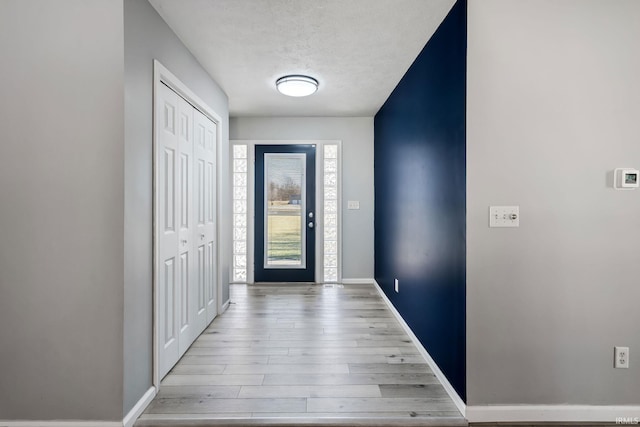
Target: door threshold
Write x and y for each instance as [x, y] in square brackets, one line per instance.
[284, 283]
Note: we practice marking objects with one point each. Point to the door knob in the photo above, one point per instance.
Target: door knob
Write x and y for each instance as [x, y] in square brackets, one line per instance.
[202, 237]
[184, 242]
[310, 214]
[310, 224]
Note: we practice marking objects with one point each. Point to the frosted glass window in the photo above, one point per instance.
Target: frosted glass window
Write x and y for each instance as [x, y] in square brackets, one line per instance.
[239, 220]
[331, 165]
[330, 179]
[240, 193]
[240, 165]
[330, 233]
[239, 233]
[240, 206]
[240, 274]
[330, 206]
[331, 260]
[330, 274]
[330, 247]
[330, 151]
[240, 247]
[239, 151]
[330, 219]
[241, 261]
[331, 255]
[332, 192]
[240, 177]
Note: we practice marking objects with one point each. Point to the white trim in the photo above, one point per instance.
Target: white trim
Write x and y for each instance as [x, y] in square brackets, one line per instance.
[71, 423]
[251, 144]
[358, 281]
[161, 75]
[137, 410]
[549, 413]
[225, 306]
[462, 407]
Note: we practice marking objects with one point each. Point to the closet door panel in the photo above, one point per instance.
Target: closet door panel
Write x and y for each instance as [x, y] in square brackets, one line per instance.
[204, 218]
[186, 229]
[167, 154]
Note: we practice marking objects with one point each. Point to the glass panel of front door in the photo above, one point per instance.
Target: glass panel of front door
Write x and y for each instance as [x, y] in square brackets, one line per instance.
[285, 210]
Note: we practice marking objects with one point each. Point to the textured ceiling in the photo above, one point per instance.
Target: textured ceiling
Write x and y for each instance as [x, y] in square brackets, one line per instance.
[357, 49]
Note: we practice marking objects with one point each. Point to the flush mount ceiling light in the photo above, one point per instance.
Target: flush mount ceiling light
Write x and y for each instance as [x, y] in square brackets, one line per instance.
[297, 85]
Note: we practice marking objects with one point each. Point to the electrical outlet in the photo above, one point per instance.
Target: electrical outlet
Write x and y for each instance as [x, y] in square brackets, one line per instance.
[504, 216]
[396, 284]
[621, 357]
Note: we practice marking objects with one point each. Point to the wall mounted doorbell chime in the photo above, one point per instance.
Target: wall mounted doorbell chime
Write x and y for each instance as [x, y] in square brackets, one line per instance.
[626, 179]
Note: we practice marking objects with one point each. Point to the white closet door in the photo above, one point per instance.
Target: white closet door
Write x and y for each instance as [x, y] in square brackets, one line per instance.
[186, 210]
[186, 229]
[167, 240]
[204, 300]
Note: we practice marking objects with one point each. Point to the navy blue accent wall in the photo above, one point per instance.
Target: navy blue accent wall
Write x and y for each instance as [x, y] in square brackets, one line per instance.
[420, 195]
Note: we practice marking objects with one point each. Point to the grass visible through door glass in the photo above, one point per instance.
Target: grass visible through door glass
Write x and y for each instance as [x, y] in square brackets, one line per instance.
[284, 227]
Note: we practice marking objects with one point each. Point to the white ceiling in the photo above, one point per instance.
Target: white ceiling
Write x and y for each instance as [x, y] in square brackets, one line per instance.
[357, 49]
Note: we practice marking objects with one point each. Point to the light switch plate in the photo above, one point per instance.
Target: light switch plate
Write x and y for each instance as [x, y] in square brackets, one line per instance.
[504, 216]
[353, 204]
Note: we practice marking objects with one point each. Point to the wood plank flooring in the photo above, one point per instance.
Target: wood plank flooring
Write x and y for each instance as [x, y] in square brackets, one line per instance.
[325, 355]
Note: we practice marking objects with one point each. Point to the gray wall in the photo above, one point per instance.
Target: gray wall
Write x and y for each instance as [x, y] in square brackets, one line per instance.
[147, 37]
[552, 108]
[61, 214]
[356, 134]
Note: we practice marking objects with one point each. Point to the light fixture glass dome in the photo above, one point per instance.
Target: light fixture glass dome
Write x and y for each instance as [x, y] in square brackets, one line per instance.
[297, 85]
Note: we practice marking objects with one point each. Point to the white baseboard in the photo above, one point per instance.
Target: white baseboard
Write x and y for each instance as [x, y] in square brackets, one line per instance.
[225, 306]
[127, 421]
[139, 407]
[462, 407]
[552, 413]
[70, 423]
[358, 281]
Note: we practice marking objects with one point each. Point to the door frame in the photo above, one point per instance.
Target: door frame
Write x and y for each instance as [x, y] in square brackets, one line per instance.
[161, 75]
[319, 246]
[307, 153]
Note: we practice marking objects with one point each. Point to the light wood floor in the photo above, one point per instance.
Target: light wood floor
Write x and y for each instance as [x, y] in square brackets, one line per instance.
[303, 352]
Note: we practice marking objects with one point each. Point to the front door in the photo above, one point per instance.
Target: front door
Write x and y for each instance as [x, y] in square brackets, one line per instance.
[285, 213]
